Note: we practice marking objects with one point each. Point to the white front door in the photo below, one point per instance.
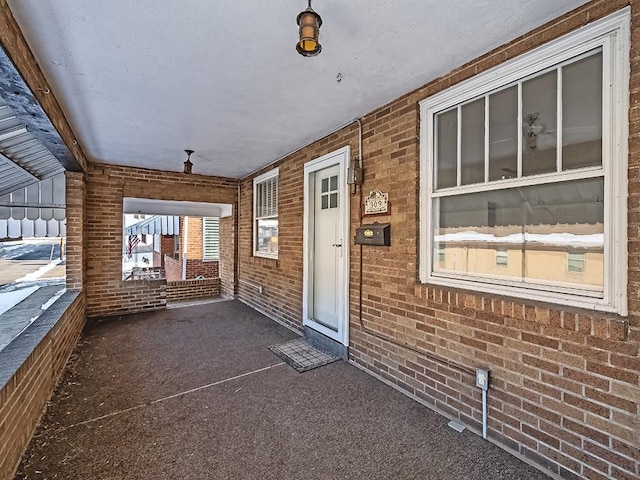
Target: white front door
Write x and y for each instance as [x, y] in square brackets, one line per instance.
[326, 226]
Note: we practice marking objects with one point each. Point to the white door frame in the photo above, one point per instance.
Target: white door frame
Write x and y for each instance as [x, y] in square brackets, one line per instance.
[337, 157]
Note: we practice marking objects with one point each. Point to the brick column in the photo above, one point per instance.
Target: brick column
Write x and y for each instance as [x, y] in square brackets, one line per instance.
[76, 197]
[228, 257]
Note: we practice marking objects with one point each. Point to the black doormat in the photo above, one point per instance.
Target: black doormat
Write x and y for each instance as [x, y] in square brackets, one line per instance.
[302, 354]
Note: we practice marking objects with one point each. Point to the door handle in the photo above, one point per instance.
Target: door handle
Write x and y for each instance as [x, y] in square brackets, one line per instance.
[337, 245]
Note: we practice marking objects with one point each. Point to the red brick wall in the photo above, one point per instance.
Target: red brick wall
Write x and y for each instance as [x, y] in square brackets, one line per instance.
[107, 293]
[565, 382]
[172, 269]
[25, 396]
[190, 289]
[208, 269]
[167, 245]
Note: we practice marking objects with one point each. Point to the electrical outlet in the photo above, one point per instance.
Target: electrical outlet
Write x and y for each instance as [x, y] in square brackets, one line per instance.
[482, 378]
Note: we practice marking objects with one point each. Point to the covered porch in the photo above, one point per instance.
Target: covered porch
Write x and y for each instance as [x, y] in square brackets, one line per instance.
[194, 393]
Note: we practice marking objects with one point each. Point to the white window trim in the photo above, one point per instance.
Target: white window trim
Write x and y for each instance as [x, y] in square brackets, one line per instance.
[204, 248]
[612, 33]
[261, 178]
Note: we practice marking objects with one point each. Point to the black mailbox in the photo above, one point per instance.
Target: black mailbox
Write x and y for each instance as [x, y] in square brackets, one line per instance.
[378, 234]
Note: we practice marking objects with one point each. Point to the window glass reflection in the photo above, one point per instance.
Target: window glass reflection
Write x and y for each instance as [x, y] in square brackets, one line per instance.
[543, 234]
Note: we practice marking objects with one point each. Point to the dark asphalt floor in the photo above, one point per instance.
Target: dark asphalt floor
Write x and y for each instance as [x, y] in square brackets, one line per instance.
[193, 393]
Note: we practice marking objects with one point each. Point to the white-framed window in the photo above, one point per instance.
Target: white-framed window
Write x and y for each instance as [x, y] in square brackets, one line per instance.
[530, 157]
[210, 238]
[265, 214]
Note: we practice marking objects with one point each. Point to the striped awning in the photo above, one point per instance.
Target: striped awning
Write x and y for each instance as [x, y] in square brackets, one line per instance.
[156, 225]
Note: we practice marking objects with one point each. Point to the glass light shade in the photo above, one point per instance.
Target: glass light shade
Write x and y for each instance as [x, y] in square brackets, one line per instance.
[309, 23]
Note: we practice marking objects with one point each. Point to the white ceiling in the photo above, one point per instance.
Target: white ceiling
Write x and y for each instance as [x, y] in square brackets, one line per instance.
[142, 80]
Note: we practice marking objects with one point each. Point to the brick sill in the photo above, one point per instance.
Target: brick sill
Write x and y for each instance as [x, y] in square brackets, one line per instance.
[16, 353]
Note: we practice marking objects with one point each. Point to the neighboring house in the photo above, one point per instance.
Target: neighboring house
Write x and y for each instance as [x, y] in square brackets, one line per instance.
[514, 194]
[157, 243]
[202, 254]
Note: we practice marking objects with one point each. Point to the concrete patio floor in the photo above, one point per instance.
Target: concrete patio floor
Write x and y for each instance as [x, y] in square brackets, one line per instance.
[193, 393]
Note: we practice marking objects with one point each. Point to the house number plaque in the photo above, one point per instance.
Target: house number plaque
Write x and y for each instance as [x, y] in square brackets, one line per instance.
[376, 203]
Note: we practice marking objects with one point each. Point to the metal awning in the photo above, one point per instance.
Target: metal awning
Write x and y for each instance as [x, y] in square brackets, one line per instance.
[37, 210]
[156, 225]
[26, 228]
[23, 158]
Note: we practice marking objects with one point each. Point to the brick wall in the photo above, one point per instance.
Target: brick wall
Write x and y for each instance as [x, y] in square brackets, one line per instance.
[194, 239]
[189, 289]
[24, 397]
[565, 382]
[195, 265]
[76, 246]
[172, 269]
[167, 245]
[281, 279]
[107, 293]
[208, 269]
[227, 255]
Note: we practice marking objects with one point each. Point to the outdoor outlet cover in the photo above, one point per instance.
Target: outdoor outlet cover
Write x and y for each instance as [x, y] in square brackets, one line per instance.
[482, 378]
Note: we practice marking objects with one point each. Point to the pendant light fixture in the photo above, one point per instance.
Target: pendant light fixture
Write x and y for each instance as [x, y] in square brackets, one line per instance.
[188, 165]
[309, 22]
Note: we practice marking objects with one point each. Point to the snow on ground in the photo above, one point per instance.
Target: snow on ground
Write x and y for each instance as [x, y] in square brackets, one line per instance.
[10, 299]
[52, 300]
[591, 240]
[38, 273]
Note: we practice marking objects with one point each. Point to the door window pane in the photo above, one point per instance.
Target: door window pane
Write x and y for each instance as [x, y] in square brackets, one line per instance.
[447, 149]
[333, 200]
[582, 113]
[472, 143]
[503, 134]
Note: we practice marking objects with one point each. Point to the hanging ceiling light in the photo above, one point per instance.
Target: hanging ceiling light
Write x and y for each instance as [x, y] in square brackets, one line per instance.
[188, 165]
[309, 23]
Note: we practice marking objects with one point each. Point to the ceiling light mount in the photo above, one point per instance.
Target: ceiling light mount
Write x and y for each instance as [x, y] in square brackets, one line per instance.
[188, 165]
[309, 22]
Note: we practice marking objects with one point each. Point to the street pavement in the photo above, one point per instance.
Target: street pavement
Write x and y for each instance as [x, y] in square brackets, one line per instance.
[34, 265]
